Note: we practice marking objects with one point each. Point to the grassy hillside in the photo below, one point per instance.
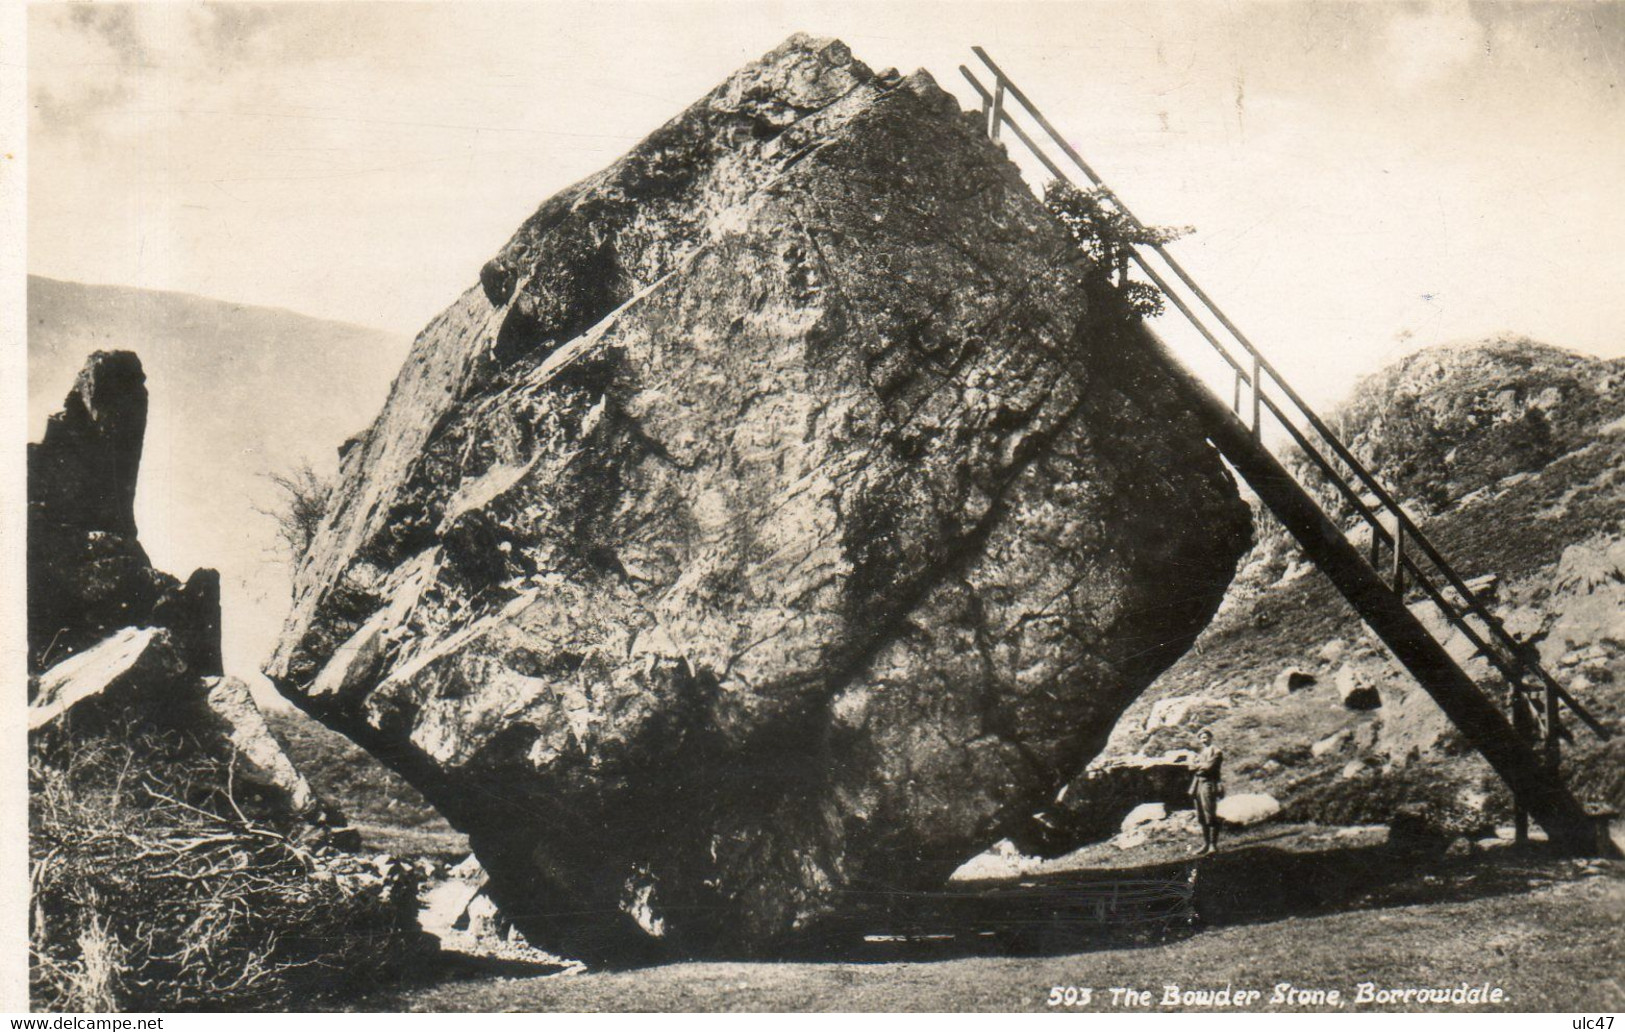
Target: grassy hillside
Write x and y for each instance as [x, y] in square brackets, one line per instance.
[391, 815]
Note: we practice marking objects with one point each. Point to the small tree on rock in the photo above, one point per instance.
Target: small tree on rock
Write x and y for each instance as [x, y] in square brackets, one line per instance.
[299, 510]
[1106, 235]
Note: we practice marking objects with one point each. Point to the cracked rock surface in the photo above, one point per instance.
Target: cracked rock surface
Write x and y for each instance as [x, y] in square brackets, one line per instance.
[771, 522]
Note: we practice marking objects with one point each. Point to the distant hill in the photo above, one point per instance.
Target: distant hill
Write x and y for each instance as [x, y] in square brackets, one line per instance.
[236, 392]
[1452, 419]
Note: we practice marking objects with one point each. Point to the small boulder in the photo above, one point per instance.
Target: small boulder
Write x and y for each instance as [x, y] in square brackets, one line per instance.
[1356, 692]
[1596, 671]
[1366, 735]
[191, 612]
[1172, 712]
[483, 919]
[1002, 860]
[1437, 823]
[1332, 744]
[1292, 679]
[1590, 583]
[1131, 839]
[1248, 808]
[1353, 769]
[1332, 651]
[1486, 588]
[1145, 813]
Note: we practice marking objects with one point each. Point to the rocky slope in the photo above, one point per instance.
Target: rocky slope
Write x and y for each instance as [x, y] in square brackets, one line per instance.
[772, 521]
[1511, 454]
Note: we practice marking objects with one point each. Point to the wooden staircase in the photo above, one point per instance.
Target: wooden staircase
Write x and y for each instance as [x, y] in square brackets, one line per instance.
[1520, 733]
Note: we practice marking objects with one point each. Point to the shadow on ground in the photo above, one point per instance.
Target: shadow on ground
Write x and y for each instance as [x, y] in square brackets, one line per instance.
[1109, 905]
[1154, 903]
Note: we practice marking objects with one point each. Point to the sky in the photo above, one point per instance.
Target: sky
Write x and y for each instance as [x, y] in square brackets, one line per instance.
[1363, 178]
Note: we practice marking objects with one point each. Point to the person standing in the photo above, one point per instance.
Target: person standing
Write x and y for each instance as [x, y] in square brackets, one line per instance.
[1204, 789]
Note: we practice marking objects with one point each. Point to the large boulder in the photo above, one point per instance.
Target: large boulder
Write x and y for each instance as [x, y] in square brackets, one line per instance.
[133, 669]
[1591, 578]
[1097, 803]
[773, 519]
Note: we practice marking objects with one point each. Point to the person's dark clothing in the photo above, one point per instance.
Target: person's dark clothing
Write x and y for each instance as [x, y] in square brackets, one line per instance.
[1204, 789]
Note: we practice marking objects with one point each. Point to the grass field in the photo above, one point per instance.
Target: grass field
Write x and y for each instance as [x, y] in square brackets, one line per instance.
[392, 816]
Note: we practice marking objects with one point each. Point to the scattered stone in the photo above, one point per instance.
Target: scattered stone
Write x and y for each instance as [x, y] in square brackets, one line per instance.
[1248, 808]
[1292, 679]
[1332, 743]
[1353, 769]
[1145, 813]
[1356, 692]
[1332, 651]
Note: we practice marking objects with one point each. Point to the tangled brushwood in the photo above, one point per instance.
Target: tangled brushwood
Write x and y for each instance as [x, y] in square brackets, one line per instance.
[156, 886]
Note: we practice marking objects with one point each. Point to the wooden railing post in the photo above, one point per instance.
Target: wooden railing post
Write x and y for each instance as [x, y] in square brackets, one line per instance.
[1398, 577]
[1522, 723]
[1554, 730]
[1258, 398]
